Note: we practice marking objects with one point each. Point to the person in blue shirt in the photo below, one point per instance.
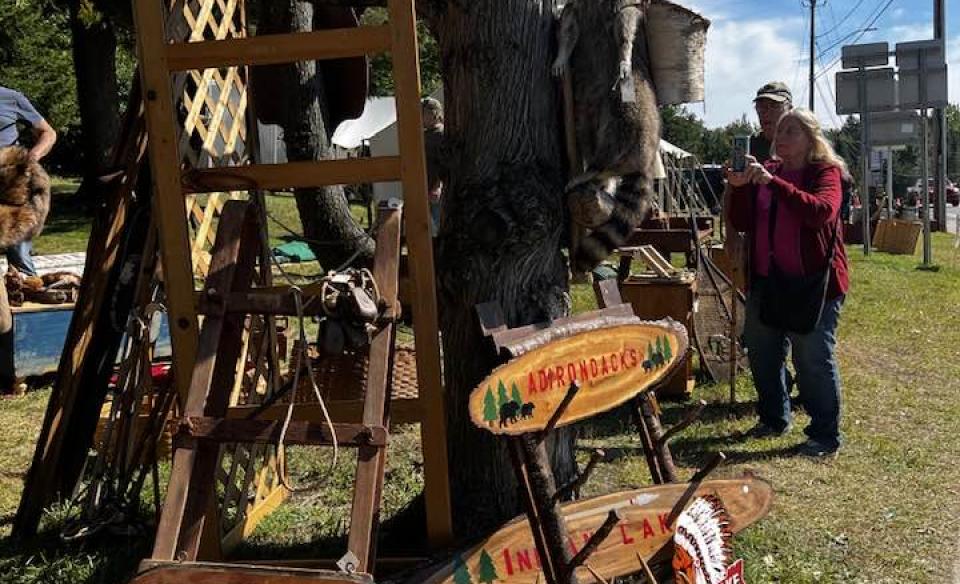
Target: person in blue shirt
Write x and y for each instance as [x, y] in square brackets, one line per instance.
[16, 110]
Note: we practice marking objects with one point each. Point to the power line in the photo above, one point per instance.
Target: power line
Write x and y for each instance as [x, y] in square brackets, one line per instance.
[839, 23]
[871, 19]
[862, 31]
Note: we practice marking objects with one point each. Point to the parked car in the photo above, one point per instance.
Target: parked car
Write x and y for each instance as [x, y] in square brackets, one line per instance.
[952, 192]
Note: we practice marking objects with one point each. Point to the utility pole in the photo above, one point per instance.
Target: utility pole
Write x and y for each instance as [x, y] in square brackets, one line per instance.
[939, 33]
[812, 4]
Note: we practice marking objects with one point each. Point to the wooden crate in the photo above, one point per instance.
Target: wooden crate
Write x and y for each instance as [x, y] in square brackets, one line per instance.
[897, 236]
[655, 298]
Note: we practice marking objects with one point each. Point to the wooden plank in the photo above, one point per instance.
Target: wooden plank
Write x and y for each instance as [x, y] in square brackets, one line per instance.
[281, 303]
[182, 519]
[371, 462]
[268, 432]
[237, 223]
[292, 175]
[168, 198]
[280, 48]
[643, 530]
[88, 338]
[154, 572]
[611, 365]
[402, 411]
[406, 75]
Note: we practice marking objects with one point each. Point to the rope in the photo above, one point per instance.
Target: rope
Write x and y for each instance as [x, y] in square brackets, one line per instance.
[302, 359]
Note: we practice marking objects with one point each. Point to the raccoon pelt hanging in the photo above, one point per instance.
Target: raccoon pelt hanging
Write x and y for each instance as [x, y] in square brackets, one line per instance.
[24, 196]
[603, 47]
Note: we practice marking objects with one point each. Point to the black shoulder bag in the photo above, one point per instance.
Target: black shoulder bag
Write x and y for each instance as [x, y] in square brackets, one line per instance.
[794, 303]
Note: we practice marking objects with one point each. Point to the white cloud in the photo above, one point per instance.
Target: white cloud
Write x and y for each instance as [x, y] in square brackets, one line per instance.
[741, 57]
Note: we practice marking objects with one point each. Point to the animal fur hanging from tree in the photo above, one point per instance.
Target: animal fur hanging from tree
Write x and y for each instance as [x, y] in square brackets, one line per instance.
[24, 196]
[603, 47]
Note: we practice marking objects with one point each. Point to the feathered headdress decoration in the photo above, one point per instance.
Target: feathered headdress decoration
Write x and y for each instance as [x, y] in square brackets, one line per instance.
[701, 543]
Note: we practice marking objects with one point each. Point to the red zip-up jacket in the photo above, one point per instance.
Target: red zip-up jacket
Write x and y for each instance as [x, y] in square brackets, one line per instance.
[816, 204]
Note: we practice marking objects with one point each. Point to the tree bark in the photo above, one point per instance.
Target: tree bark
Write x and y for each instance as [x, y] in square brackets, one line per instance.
[328, 226]
[503, 222]
[95, 62]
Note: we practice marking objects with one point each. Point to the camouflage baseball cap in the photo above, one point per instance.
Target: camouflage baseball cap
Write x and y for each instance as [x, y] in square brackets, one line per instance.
[776, 91]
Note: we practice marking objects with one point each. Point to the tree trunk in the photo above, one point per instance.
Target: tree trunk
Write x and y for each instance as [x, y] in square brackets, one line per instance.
[95, 62]
[328, 226]
[503, 222]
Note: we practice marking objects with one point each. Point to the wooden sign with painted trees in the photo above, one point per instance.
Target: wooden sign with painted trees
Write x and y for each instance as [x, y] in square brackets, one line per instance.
[611, 366]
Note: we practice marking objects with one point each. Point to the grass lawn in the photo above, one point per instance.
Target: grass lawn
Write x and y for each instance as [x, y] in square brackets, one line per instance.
[884, 511]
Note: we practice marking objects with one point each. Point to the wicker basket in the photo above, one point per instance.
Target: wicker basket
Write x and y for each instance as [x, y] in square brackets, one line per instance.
[677, 41]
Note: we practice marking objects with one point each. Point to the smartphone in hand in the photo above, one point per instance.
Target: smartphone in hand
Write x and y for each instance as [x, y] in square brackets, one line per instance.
[741, 148]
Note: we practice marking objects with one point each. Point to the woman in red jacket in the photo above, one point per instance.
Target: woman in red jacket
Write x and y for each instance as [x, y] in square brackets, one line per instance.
[802, 187]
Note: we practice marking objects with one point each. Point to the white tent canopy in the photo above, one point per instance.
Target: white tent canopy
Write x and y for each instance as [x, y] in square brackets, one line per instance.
[378, 114]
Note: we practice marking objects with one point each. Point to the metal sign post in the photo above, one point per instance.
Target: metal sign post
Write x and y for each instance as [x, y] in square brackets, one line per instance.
[923, 84]
[865, 141]
[860, 92]
[927, 247]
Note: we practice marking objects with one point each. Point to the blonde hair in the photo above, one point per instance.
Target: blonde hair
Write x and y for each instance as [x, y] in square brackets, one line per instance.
[821, 150]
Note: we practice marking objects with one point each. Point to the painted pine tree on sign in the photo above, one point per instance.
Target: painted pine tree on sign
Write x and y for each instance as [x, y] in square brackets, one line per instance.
[515, 394]
[461, 574]
[486, 571]
[502, 394]
[490, 407]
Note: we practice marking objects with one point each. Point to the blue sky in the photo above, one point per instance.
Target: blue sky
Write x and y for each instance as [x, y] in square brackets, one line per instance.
[751, 42]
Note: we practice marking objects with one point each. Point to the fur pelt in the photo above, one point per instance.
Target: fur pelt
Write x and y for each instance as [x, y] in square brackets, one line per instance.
[603, 42]
[24, 196]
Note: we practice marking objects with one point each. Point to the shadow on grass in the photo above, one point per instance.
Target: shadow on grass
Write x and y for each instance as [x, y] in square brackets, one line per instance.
[103, 559]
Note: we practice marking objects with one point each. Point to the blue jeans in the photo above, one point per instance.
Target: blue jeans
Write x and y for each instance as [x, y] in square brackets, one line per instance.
[814, 358]
[19, 257]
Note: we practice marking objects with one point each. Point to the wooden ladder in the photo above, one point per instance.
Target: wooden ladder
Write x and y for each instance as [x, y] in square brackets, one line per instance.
[158, 61]
[227, 300]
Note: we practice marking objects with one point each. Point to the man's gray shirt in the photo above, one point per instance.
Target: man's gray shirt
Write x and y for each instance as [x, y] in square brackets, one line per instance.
[14, 107]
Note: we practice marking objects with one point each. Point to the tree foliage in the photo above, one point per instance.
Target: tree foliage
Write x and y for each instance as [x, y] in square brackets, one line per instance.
[710, 145]
[381, 66]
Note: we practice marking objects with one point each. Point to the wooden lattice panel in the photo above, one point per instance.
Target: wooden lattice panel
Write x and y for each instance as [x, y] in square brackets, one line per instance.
[213, 110]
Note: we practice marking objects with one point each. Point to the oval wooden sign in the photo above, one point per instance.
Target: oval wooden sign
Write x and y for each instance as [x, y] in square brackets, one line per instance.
[510, 556]
[612, 365]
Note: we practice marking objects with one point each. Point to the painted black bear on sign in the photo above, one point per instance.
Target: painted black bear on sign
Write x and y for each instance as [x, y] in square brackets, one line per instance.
[526, 411]
[647, 366]
[658, 360]
[508, 413]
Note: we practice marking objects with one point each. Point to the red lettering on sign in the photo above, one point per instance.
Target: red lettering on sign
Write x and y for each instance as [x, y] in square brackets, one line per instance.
[614, 363]
[531, 384]
[508, 562]
[542, 378]
[633, 357]
[523, 561]
[594, 367]
[551, 378]
[573, 545]
[605, 369]
[572, 372]
[623, 360]
[586, 536]
[560, 374]
[627, 540]
[647, 529]
[664, 526]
